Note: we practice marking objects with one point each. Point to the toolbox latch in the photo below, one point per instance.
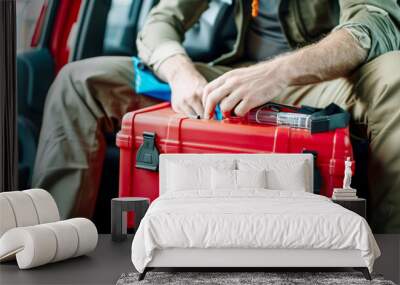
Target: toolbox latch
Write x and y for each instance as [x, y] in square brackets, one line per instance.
[147, 155]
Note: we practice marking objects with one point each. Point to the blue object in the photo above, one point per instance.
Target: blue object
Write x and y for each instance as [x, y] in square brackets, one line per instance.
[147, 84]
[218, 113]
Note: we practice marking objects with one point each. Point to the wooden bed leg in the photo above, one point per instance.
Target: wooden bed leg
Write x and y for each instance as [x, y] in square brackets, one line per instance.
[142, 275]
[364, 271]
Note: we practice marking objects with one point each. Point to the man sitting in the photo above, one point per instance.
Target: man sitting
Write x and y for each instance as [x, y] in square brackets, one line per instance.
[288, 51]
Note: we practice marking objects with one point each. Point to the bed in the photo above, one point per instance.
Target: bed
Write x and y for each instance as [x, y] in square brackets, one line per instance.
[247, 210]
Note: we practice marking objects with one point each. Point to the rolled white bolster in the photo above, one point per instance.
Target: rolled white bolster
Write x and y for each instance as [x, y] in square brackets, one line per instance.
[23, 208]
[33, 246]
[7, 218]
[40, 244]
[45, 205]
[87, 235]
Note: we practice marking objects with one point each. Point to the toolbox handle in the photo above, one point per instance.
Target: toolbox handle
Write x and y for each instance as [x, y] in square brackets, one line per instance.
[326, 119]
[322, 119]
[174, 131]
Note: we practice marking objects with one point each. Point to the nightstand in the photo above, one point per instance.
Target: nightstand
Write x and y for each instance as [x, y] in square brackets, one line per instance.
[358, 205]
[119, 209]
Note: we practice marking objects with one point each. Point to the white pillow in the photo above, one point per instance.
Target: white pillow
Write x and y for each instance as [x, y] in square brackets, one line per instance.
[186, 175]
[222, 179]
[293, 179]
[282, 174]
[251, 178]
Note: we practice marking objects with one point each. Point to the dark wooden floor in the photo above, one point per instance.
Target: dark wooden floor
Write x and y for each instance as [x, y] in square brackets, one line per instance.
[103, 266]
[110, 260]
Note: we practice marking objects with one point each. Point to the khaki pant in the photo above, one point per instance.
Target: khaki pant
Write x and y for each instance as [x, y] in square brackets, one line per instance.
[91, 96]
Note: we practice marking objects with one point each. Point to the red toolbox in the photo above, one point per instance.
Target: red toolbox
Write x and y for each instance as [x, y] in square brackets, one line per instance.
[157, 129]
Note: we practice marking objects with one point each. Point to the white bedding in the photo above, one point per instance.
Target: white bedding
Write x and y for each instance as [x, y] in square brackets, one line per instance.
[253, 218]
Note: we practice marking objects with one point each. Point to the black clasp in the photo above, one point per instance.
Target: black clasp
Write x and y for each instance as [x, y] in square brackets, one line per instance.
[319, 125]
[147, 155]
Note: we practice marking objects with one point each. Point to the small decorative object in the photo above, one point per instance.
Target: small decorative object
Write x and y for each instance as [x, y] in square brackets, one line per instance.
[346, 193]
[347, 174]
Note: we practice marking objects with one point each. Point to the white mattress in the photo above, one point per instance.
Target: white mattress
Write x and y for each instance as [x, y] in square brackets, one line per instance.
[253, 219]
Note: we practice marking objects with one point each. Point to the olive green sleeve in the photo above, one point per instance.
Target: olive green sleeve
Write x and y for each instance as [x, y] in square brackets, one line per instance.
[163, 32]
[374, 23]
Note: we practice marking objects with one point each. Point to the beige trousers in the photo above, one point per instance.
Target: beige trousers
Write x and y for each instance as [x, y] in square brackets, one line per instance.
[90, 97]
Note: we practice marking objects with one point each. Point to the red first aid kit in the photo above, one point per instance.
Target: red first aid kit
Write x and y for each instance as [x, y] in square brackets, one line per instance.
[148, 132]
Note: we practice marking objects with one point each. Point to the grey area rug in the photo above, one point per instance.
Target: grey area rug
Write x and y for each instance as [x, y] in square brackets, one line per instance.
[233, 278]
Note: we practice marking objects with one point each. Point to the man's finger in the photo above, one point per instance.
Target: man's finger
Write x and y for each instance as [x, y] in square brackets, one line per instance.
[211, 86]
[219, 81]
[197, 106]
[214, 98]
[229, 103]
[188, 111]
[243, 107]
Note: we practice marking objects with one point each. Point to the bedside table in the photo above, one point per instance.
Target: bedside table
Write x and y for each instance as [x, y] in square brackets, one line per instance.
[358, 205]
[119, 209]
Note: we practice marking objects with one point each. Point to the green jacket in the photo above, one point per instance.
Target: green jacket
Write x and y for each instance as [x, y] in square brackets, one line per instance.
[303, 22]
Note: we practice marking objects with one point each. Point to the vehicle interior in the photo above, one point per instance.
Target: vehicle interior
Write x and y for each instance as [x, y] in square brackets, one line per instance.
[67, 31]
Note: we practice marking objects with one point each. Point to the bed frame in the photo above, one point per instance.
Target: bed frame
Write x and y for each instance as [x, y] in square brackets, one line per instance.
[243, 259]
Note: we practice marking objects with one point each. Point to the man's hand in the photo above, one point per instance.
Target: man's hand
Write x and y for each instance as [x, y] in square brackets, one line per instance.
[186, 85]
[242, 89]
